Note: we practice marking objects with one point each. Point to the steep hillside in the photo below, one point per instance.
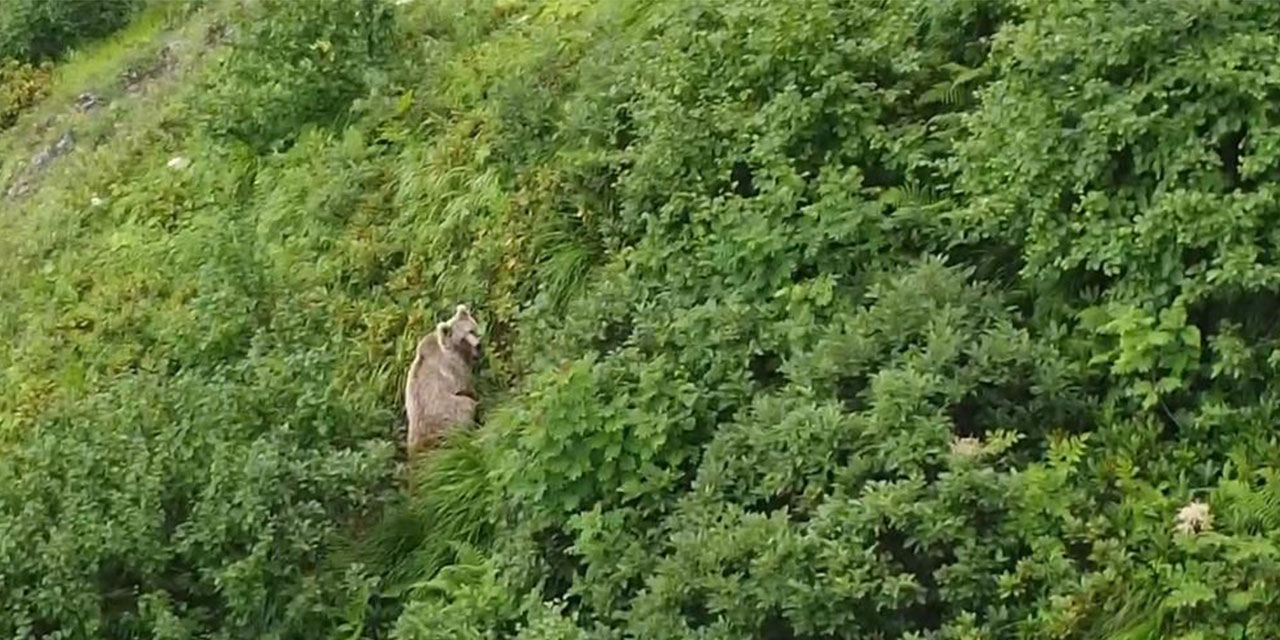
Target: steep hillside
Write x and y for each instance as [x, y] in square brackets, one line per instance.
[807, 319]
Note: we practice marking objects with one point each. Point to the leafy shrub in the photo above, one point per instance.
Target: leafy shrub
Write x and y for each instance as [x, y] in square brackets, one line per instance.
[292, 64]
[178, 520]
[750, 421]
[37, 30]
[21, 85]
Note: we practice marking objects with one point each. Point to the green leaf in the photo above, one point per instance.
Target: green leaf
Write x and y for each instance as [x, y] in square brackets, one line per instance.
[1188, 593]
[1239, 600]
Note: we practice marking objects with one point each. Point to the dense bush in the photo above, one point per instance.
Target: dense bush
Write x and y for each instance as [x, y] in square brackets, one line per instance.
[21, 86]
[293, 64]
[756, 419]
[36, 30]
[807, 319]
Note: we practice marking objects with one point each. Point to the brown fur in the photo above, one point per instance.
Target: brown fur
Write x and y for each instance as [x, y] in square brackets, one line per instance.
[440, 392]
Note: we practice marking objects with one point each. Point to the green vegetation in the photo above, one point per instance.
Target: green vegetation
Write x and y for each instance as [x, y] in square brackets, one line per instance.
[21, 86]
[806, 319]
[43, 29]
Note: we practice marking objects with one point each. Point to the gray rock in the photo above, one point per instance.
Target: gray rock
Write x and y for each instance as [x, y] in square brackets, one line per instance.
[87, 101]
[64, 144]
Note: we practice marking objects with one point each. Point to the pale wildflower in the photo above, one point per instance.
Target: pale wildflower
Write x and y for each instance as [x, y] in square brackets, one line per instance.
[966, 447]
[1194, 517]
[179, 163]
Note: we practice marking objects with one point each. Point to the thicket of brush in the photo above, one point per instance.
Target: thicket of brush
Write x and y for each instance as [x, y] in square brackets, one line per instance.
[42, 29]
[806, 319]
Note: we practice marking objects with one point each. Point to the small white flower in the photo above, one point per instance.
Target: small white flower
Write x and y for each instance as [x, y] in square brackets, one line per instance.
[179, 163]
[966, 447]
[1194, 517]
[96, 201]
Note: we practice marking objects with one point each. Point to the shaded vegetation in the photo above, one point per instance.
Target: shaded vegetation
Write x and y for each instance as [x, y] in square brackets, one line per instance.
[37, 30]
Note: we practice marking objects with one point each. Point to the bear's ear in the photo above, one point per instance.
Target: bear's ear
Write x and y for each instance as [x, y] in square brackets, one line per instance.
[460, 312]
[442, 334]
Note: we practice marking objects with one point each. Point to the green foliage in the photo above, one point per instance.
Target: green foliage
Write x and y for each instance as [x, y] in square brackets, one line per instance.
[813, 517]
[450, 504]
[751, 421]
[293, 64]
[1161, 352]
[207, 498]
[808, 319]
[21, 86]
[1130, 148]
[153, 506]
[37, 30]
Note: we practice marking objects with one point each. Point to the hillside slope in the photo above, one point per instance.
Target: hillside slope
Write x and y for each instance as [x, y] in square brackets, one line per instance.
[815, 319]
